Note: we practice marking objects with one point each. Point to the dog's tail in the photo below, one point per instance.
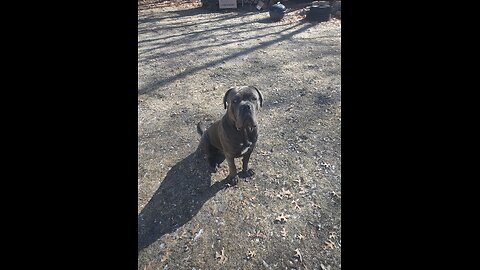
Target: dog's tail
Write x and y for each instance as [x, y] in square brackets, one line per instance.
[201, 128]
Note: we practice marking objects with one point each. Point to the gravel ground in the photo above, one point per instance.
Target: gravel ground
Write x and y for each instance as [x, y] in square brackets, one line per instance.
[288, 215]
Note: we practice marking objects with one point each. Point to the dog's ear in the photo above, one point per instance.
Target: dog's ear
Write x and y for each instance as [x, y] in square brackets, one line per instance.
[259, 95]
[225, 97]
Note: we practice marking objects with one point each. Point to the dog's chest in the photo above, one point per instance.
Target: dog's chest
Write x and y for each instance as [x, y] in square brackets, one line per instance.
[245, 147]
[240, 143]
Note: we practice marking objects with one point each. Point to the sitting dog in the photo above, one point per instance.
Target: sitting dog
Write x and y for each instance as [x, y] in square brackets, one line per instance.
[235, 135]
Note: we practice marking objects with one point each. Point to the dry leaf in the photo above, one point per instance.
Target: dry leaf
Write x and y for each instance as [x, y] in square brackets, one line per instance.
[256, 234]
[330, 244]
[221, 257]
[250, 254]
[295, 204]
[298, 255]
[286, 193]
[333, 235]
[282, 218]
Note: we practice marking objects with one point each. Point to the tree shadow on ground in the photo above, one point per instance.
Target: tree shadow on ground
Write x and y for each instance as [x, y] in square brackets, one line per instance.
[266, 20]
[204, 10]
[178, 199]
[284, 35]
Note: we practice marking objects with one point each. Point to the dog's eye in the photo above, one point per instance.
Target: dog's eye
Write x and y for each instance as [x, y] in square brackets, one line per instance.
[254, 98]
[235, 101]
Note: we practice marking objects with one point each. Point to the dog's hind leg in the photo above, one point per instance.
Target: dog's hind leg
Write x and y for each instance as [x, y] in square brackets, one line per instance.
[214, 157]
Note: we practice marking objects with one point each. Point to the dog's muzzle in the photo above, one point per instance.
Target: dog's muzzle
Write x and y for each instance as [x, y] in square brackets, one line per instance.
[248, 117]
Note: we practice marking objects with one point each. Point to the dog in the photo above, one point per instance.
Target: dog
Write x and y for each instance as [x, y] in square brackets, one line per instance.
[235, 134]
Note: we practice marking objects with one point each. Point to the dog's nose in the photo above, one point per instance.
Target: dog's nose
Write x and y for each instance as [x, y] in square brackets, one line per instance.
[246, 108]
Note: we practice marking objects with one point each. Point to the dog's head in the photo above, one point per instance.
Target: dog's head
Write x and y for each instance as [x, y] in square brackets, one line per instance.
[242, 105]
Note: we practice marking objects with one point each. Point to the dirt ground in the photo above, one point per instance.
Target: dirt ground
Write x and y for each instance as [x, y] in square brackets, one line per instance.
[288, 215]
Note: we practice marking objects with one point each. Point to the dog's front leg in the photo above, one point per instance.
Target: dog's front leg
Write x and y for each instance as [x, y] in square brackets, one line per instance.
[246, 172]
[232, 176]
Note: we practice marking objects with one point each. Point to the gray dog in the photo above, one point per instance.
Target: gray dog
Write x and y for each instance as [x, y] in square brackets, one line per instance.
[235, 135]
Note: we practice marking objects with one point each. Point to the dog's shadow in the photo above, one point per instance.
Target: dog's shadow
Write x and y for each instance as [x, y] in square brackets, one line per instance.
[178, 199]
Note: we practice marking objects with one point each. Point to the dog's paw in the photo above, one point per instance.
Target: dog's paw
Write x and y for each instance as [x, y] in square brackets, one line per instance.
[232, 180]
[213, 167]
[247, 173]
